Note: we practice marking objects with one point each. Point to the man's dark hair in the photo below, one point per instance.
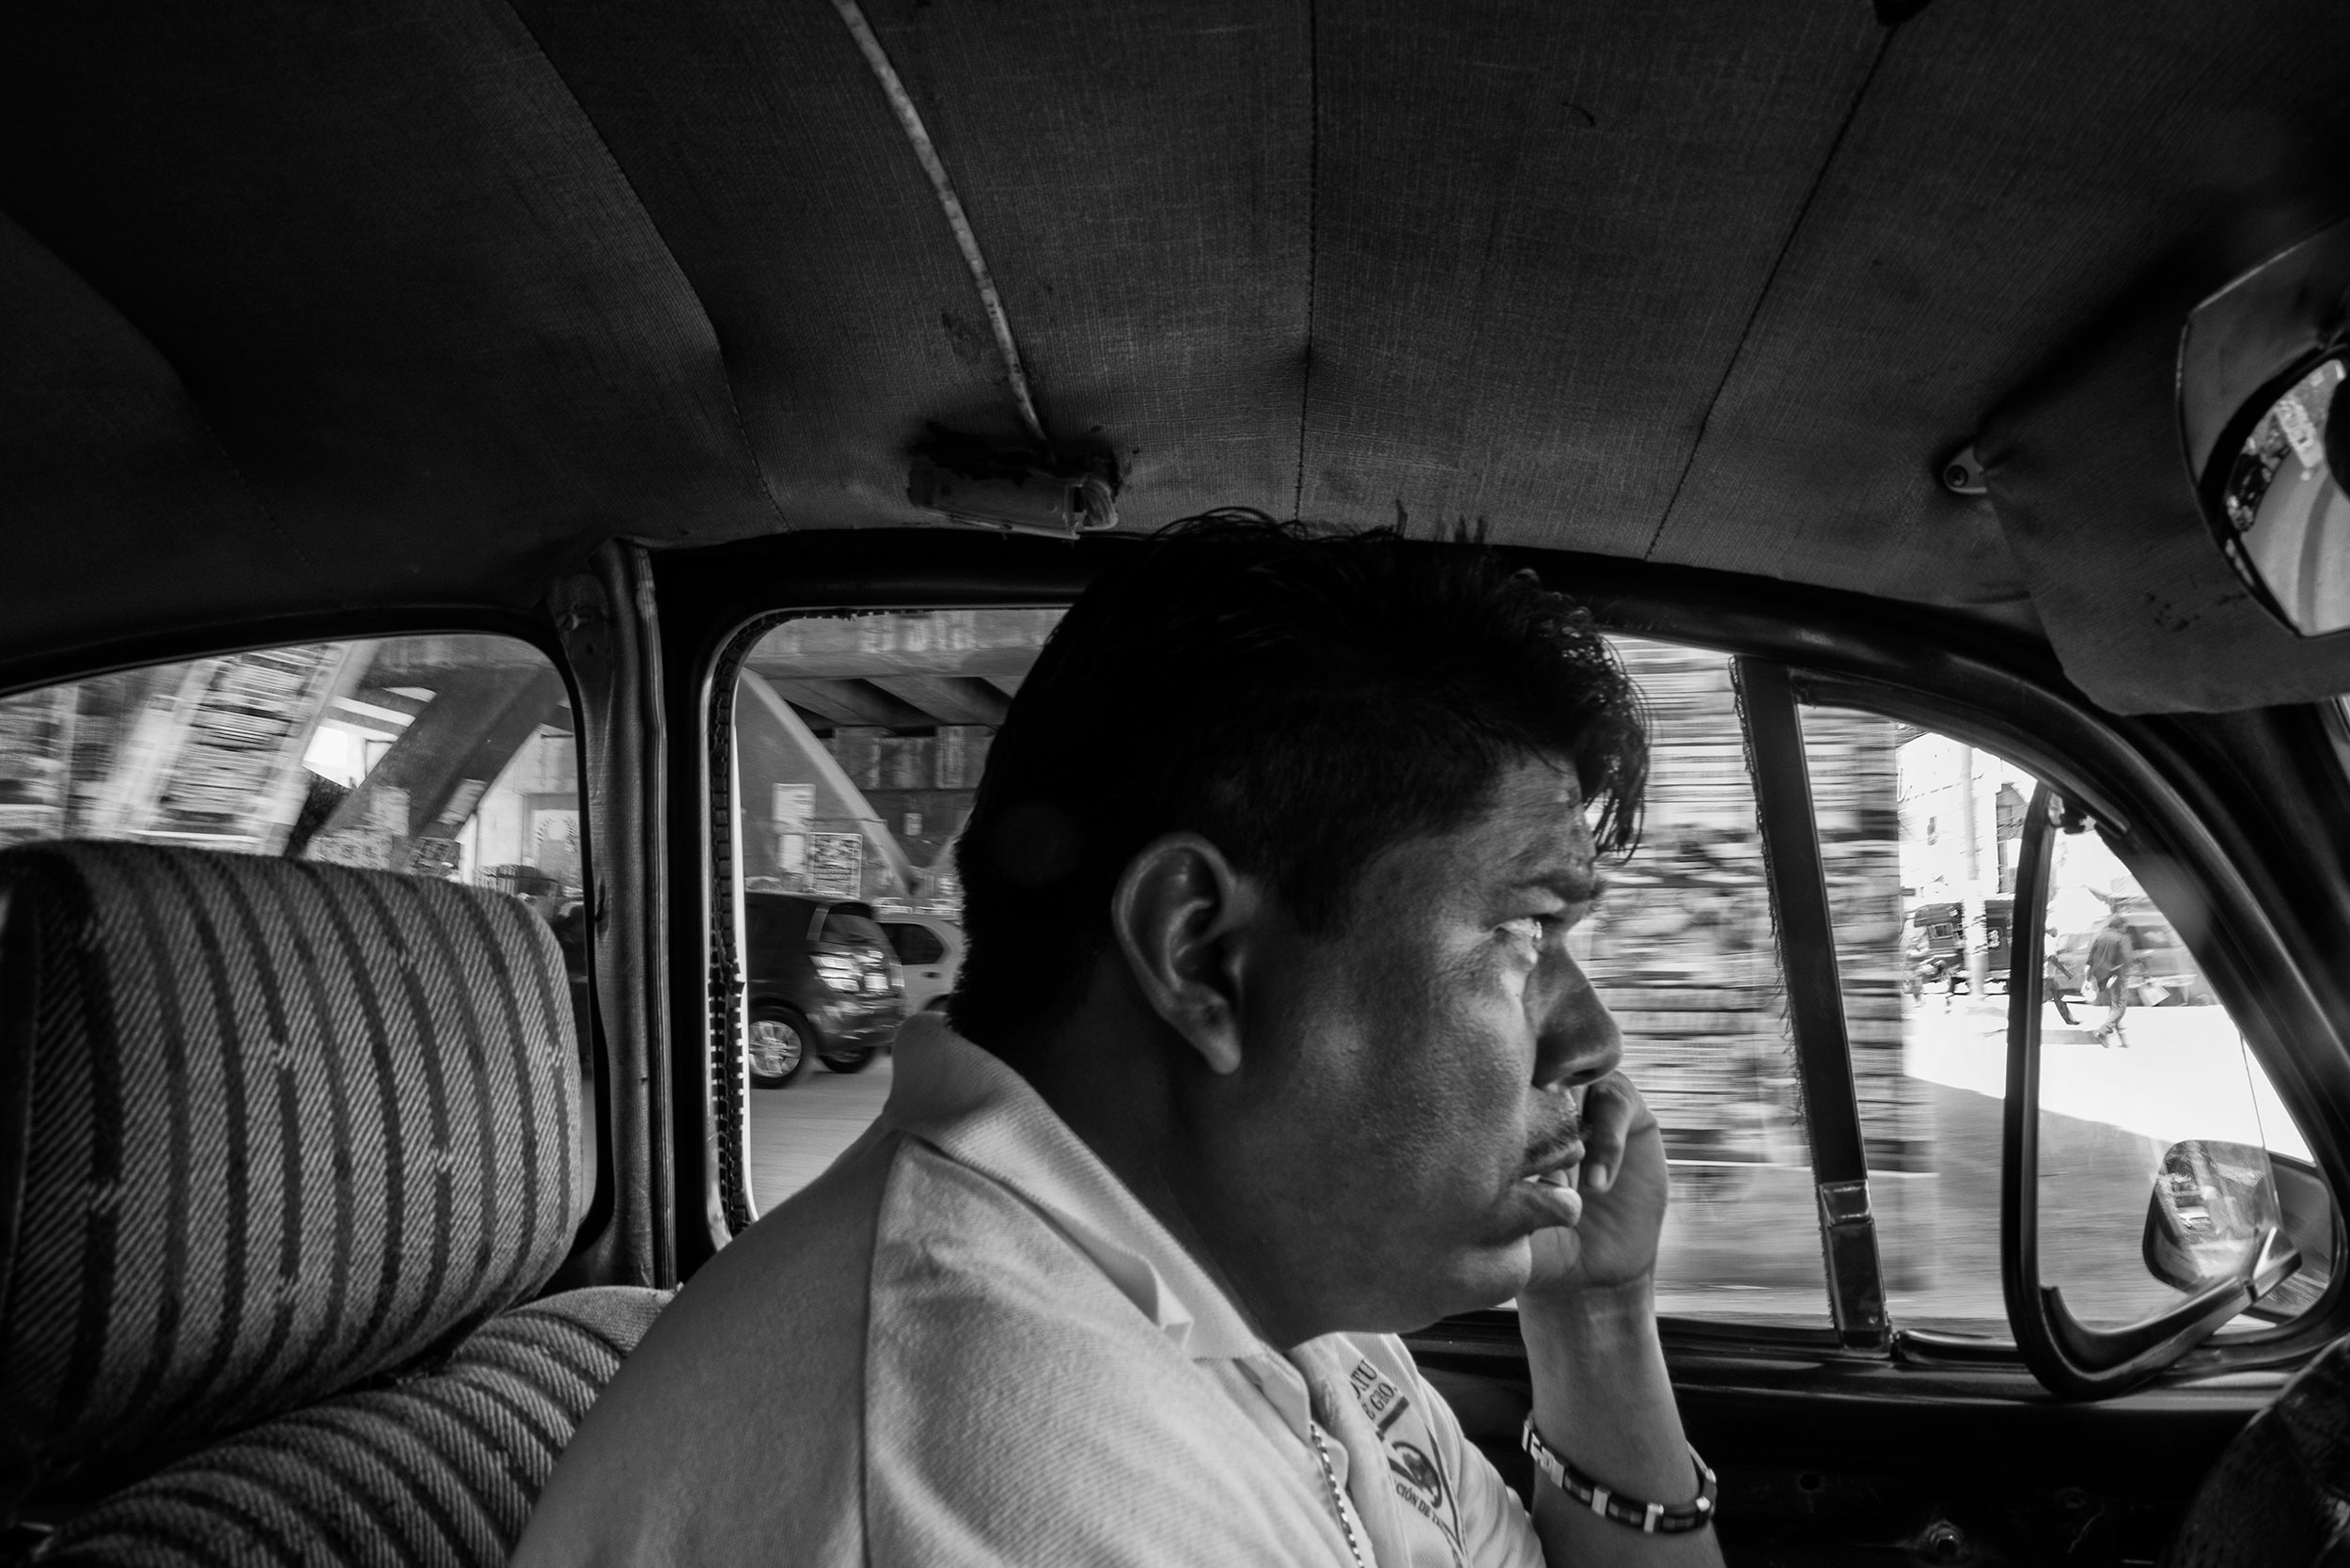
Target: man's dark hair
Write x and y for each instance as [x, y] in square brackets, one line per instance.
[1302, 701]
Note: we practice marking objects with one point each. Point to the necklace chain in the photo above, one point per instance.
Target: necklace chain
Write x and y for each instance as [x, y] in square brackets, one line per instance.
[1337, 1502]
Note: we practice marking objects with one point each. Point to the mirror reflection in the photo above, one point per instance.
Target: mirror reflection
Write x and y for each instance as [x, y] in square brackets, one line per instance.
[2214, 1211]
[2287, 521]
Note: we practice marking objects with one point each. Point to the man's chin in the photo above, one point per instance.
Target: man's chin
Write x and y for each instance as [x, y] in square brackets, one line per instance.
[1459, 1282]
[1489, 1277]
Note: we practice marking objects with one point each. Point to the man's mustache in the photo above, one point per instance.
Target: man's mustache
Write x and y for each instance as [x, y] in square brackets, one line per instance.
[1546, 1153]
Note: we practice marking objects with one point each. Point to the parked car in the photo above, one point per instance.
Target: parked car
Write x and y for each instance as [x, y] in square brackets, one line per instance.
[1944, 961]
[821, 981]
[930, 951]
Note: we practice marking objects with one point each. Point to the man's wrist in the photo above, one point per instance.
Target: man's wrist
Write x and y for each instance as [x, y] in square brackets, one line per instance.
[1603, 1397]
[1593, 1312]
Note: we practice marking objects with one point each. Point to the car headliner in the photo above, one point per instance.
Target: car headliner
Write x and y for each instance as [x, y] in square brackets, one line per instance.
[416, 303]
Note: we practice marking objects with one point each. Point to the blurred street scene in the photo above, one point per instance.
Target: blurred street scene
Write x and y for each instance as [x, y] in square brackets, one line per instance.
[858, 746]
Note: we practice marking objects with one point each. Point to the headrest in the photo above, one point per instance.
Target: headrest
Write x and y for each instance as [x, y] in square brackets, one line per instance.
[266, 1129]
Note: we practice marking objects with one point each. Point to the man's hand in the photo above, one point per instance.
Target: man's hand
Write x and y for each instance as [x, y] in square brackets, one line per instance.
[1622, 1185]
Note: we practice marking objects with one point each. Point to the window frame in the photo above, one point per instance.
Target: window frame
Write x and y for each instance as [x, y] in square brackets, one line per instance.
[1962, 675]
[594, 1240]
[2237, 950]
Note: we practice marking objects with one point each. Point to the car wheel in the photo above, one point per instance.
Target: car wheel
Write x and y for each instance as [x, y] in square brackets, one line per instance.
[776, 1049]
[850, 1061]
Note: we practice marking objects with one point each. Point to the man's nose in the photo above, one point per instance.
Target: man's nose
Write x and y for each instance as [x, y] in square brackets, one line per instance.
[1576, 1041]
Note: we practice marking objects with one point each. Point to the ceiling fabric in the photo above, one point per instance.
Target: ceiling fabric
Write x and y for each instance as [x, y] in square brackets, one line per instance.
[1137, 179]
[2141, 605]
[100, 441]
[420, 302]
[2210, 161]
[410, 294]
[1536, 241]
[2032, 195]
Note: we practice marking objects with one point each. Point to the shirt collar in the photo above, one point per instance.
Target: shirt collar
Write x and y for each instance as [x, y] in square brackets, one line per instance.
[968, 1104]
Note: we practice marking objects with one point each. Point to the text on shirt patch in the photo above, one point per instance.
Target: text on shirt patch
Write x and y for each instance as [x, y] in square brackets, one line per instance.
[1381, 1399]
[1418, 1479]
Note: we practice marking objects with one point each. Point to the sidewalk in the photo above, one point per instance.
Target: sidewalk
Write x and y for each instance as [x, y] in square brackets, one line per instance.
[2184, 1075]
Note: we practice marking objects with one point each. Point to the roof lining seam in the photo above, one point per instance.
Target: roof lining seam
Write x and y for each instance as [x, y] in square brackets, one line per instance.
[725, 367]
[1314, 241]
[218, 443]
[966, 238]
[1770, 281]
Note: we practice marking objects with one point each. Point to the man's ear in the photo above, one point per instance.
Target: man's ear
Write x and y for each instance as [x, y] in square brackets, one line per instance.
[1182, 915]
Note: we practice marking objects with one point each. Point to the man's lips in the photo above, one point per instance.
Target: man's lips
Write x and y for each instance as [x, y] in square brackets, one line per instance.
[1552, 1196]
[1550, 1178]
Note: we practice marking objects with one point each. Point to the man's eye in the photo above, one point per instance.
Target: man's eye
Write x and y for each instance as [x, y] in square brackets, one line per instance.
[1528, 929]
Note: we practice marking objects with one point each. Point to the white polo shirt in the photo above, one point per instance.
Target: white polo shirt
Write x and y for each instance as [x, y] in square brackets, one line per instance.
[969, 1342]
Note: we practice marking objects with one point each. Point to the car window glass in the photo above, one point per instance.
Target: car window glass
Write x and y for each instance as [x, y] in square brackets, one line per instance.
[847, 728]
[1921, 836]
[453, 757]
[2148, 1061]
[857, 746]
[841, 925]
[1682, 950]
[914, 944]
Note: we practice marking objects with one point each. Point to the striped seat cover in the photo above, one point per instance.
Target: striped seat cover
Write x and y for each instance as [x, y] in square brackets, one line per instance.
[440, 1471]
[267, 1131]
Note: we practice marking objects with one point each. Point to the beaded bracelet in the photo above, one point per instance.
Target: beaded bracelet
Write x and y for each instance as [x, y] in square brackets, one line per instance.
[1647, 1517]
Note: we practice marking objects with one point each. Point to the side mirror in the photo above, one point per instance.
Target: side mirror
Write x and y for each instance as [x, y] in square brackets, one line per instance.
[2216, 1215]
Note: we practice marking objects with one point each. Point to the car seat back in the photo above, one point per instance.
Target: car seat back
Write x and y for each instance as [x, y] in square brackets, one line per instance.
[270, 1133]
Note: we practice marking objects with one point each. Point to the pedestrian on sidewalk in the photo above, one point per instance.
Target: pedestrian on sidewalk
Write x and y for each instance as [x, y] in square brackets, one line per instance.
[2109, 964]
[2054, 982]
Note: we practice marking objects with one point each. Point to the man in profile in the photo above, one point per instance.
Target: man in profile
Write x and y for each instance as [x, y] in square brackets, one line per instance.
[1268, 1047]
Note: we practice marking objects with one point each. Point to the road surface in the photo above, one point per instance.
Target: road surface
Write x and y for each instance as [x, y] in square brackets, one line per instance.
[796, 1131]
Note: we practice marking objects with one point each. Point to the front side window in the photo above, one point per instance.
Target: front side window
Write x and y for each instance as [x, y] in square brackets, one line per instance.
[1682, 949]
[846, 729]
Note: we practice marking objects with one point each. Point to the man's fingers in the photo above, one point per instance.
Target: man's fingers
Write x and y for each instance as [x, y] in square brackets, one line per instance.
[1607, 1116]
[1613, 1115]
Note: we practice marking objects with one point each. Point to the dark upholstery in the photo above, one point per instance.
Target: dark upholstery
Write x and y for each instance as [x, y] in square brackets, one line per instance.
[441, 1469]
[267, 1131]
[404, 303]
[2280, 1497]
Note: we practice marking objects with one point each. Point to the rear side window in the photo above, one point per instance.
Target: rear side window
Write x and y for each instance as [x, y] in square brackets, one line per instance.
[914, 944]
[448, 757]
[452, 757]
